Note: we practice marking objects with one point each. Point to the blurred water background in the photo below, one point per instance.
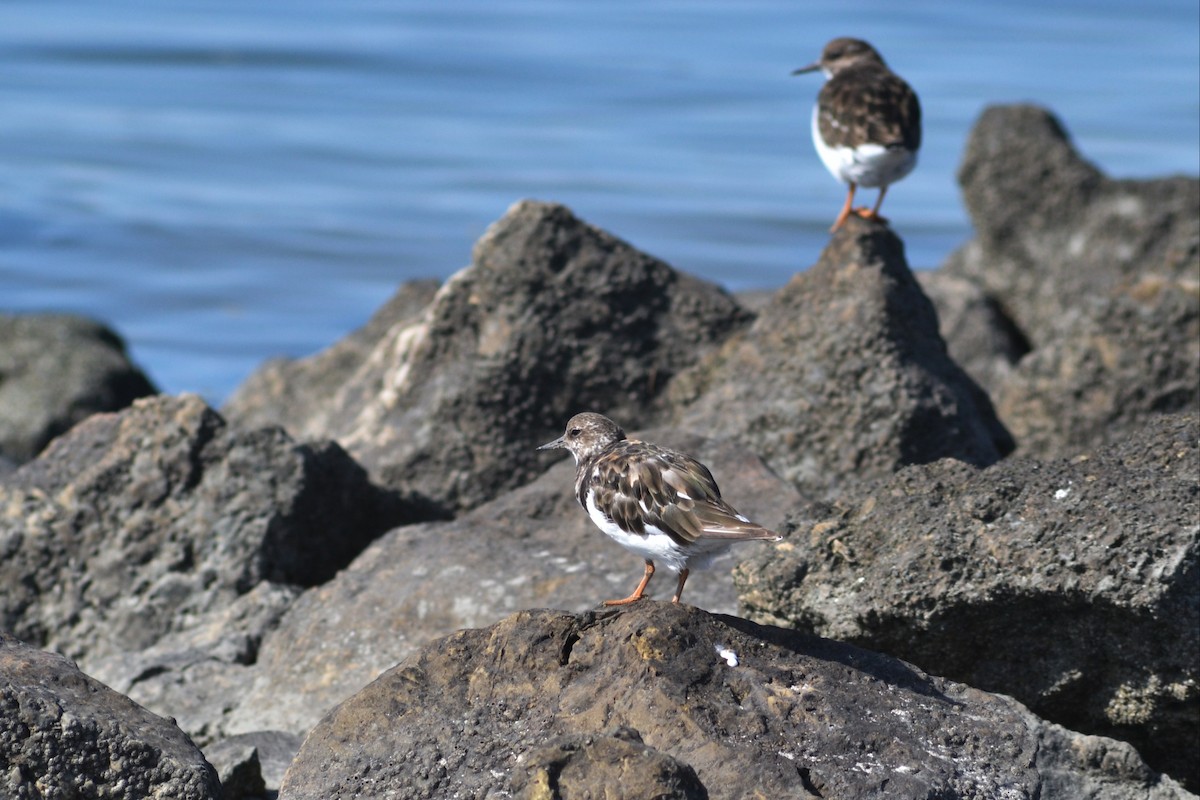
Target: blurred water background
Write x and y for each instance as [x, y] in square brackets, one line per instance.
[227, 181]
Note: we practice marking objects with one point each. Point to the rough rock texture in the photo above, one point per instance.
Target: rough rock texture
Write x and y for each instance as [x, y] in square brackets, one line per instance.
[553, 316]
[1071, 585]
[1114, 362]
[1051, 229]
[136, 524]
[65, 735]
[843, 376]
[531, 547]
[752, 711]
[294, 393]
[55, 370]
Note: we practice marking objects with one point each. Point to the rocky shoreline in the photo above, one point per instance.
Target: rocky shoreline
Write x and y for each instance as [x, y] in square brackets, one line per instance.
[988, 478]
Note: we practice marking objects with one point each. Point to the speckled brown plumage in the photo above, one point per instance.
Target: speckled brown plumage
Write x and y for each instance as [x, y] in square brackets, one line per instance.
[867, 121]
[656, 502]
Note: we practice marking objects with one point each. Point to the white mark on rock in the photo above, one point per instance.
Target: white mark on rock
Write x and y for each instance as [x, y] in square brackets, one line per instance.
[730, 657]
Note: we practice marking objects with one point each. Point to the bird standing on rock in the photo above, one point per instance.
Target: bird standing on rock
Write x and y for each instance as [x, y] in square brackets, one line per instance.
[658, 503]
[866, 125]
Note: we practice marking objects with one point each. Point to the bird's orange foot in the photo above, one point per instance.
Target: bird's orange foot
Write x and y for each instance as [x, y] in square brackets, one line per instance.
[633, 598]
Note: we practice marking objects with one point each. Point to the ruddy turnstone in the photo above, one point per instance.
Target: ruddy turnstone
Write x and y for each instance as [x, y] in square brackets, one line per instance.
[658, 503]
[867, 122]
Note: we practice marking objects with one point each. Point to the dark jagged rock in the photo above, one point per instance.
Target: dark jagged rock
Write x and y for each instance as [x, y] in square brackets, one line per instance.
[64, 734]
[294, 393]
[56, 370]
[136, 524]
[553, 317]
[1071, 586]
[843, 376]
[530, 547]
[750, 711]
[1051, 229]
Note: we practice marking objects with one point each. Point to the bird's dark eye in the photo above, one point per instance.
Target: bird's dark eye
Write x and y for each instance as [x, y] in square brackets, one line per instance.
[574, 432]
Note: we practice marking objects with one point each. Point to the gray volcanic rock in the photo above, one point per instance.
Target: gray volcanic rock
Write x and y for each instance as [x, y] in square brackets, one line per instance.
[750, 711]
[552, 317]
[137, 524]
[1113, 363]
[294, 393]
[1070, 585]
[66, 735]
[531, 547]
[200, 674]
[843, 376]
[1099, 277]
[1050, 229]
[55, 370]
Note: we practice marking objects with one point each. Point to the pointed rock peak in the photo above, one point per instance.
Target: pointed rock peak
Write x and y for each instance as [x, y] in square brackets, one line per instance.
[864, 241]
[1020, 168]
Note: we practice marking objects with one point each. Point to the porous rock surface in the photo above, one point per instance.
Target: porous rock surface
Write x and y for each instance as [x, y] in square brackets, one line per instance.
[1070, 585]
[544, 698]
[843, 376]
[66, 735]
[553, 316]
[136, 523]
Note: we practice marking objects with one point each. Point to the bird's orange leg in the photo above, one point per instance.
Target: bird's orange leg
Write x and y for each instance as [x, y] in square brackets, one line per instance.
[845, 209]
[683, 573]
[640, 590]
[874, 212]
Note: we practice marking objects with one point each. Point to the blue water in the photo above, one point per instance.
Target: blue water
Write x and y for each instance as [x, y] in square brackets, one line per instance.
[227, 181]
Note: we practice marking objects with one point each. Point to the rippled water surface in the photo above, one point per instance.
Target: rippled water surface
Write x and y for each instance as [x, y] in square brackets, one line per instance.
[227, 181]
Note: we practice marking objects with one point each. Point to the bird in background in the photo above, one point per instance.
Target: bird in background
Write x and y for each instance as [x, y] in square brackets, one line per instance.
[866, 125]
[661, 504]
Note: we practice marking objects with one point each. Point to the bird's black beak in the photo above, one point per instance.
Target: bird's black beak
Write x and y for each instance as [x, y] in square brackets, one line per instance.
[557, 443]
[813, 67]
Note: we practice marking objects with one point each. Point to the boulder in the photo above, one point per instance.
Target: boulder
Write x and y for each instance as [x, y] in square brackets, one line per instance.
[1070, 585]
[552, 317]
[530, 547]
[1051, 229]
[64, 734]
[843, 376]
[56, 370]
[136, 524]
[689, 704]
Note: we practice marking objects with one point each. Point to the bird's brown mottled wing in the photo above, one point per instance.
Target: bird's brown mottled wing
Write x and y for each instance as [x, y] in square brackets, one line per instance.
[640, 484]
[885, 109]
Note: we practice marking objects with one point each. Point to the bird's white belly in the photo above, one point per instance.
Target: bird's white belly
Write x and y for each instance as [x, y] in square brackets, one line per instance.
[868, 165]
[657, 545]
